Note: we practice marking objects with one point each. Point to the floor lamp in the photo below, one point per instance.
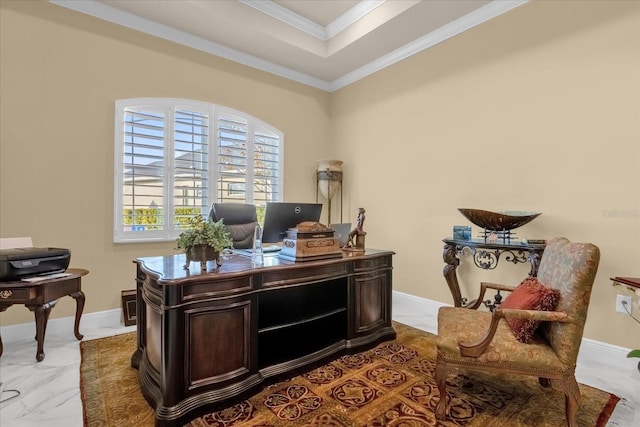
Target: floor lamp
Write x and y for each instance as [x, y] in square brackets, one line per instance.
[328, 181]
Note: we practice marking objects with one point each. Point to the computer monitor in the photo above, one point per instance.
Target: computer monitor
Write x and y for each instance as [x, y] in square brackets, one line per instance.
[281, 216]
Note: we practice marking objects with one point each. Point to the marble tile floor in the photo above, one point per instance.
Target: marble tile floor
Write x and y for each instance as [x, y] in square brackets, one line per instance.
[50, 394]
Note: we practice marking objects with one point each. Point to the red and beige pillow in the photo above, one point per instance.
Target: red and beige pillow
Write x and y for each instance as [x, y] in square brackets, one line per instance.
[529, 295]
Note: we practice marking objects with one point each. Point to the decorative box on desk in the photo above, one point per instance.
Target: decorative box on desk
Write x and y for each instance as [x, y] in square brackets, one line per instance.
[310, 241]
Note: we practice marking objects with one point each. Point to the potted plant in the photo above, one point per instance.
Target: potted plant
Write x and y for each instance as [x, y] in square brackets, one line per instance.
[204, 241]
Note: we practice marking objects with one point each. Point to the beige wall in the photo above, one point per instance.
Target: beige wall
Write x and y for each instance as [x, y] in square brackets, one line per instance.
[61, 73]
[538, 109]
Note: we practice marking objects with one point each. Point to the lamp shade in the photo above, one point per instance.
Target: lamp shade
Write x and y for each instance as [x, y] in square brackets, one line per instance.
[329, 175]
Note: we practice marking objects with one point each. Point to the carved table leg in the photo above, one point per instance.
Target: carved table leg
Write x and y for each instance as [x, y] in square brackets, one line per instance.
[42, 317]
[534, 259]
[79, 297]
[3, 307]
[449, 272]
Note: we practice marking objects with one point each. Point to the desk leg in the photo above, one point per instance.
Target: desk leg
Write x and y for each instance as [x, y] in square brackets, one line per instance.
[42, 317]
[449, 272]
[79, 297]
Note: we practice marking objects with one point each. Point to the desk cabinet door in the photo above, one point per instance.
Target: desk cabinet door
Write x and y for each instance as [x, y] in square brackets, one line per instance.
[220, 343]
[372, 302]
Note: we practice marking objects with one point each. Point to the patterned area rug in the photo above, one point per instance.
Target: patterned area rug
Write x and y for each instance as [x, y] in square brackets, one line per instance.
[390, 385]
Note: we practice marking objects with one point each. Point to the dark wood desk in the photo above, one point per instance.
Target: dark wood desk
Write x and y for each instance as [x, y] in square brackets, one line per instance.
[41, 297]
[486, 256]
[205, 340]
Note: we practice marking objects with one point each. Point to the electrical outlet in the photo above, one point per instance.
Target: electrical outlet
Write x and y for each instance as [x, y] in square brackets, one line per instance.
[620, 308]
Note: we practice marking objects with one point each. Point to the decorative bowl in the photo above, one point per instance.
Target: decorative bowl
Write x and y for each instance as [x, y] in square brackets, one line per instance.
[498, 221]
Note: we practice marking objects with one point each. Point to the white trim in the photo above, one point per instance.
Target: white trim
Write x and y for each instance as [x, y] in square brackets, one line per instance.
[460, 25]
[117, 16]
[430, 306]
[91, 322]
[290, 18]
[64, 325]
[599, 349]
[603, 347]
[351, 16]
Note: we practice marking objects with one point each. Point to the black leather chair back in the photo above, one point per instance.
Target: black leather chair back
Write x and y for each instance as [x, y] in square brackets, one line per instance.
[239, 218]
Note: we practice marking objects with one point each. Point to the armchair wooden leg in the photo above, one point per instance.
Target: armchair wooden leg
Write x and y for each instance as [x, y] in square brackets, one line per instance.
[571, 408]
[572, 398]
[441, 381]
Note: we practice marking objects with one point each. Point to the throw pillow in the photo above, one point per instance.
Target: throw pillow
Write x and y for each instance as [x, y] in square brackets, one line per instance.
[529, 295]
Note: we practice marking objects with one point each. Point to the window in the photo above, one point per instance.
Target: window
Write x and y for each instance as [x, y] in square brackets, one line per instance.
[175, 157]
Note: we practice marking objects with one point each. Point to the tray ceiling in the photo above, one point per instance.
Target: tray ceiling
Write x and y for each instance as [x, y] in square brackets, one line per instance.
[326, 44]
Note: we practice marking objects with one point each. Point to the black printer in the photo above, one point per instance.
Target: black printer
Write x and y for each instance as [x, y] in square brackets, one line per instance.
[18, 263]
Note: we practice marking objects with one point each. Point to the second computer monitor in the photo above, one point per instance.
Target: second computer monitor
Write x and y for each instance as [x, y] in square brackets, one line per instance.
[280, 216]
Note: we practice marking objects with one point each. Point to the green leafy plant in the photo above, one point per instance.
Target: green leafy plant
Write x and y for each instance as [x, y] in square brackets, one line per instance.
[203, 232]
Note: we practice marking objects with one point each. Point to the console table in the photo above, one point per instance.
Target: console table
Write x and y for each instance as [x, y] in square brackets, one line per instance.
[40, 297]
[205, 340]
[631, 282]
[486, 255]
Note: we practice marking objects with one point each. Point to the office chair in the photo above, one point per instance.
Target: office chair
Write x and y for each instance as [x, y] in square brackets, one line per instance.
[239, 218]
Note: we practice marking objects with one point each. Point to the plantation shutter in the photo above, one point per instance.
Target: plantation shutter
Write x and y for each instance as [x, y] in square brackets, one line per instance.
[232, 159]
[247, 156]
[174, 157]
[143, 174]
[191, 168]
[266, 167]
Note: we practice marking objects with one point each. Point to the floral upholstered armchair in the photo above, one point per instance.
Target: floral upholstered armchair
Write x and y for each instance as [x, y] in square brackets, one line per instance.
[506, 340]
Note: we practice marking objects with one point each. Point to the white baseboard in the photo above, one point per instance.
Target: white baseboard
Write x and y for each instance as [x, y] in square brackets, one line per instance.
[604, 348]
[601, 350]
[113, 319]
[64, 325]
[430, 306]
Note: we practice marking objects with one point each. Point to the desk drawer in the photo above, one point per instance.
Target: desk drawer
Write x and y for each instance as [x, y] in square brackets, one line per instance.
[303, 274]
[17, 295]
[372, 264]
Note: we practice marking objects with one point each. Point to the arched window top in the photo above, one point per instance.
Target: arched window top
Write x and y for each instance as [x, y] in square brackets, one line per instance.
[175, 157]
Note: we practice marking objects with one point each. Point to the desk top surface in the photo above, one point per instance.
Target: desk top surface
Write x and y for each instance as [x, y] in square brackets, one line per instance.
[171, 267]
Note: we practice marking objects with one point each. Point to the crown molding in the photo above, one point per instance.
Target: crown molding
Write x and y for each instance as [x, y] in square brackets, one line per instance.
[303, 24]
[129, 20]
[473, 19]
[351, 16]
[290, 18]
[102, 11]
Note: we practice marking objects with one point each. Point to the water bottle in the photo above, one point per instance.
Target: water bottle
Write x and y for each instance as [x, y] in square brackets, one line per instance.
[257, 257]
